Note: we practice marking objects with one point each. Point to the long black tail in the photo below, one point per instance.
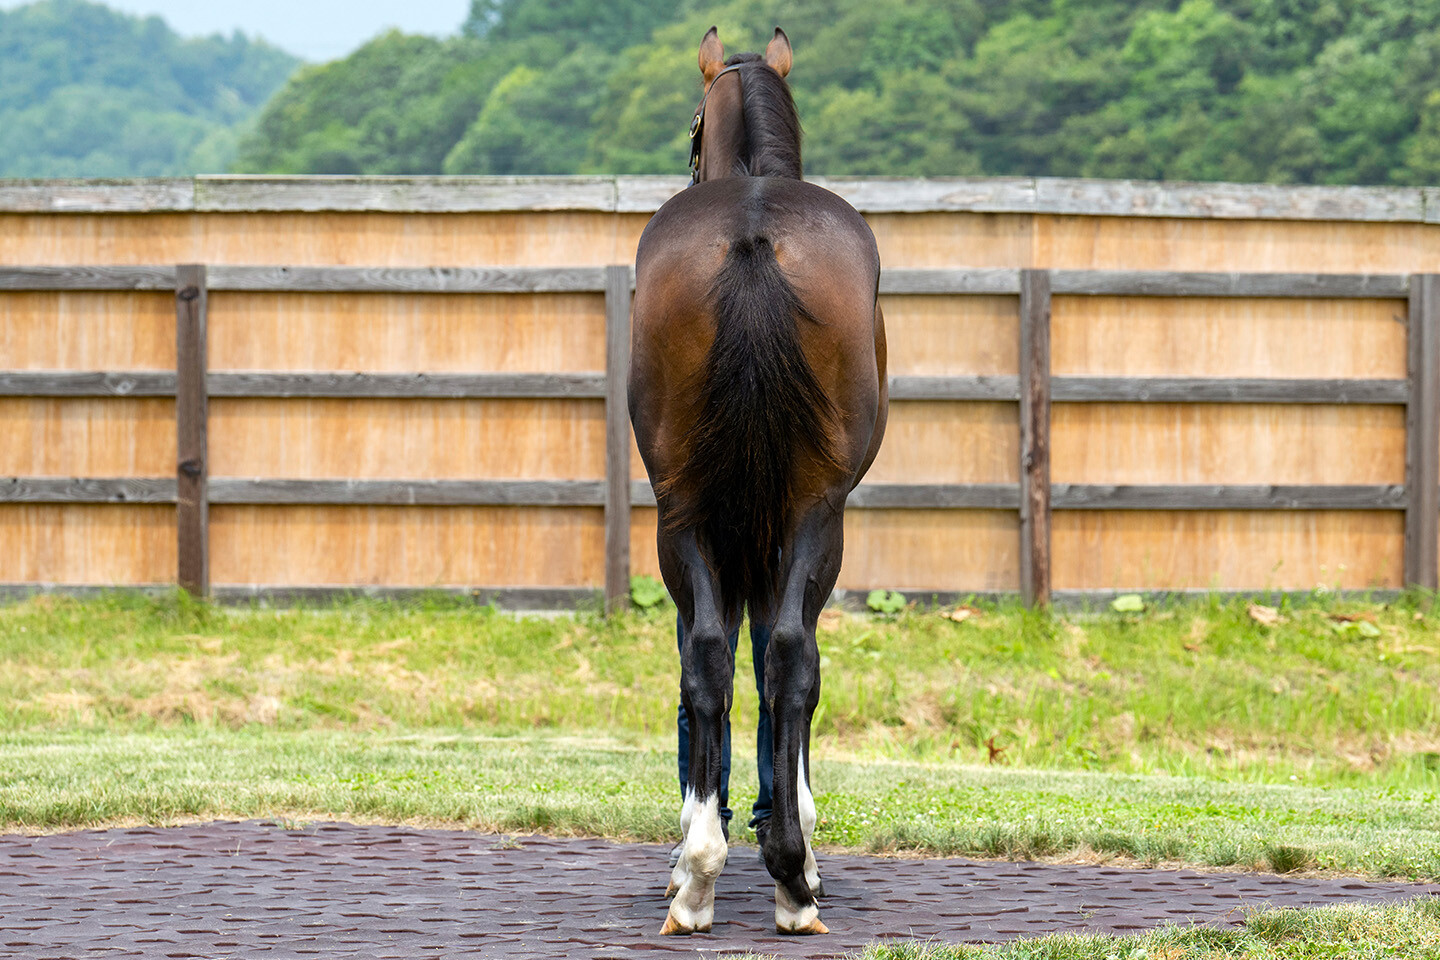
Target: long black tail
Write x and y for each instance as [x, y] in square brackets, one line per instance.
[759, 406]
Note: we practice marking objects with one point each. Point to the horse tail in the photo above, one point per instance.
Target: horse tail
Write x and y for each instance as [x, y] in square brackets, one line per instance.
[759, 405]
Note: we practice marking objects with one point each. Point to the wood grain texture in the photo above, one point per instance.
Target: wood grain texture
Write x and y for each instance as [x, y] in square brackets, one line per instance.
[1297, 550]
[618, 442]
[1105, 243]
[1212, 390]
[951, 240]
[87, 490]
[1137, 443]
[489, 493]
[644, 557]
[964, 387]
[951, 335]
[514, 279]
[87, 544]
[564, 239]
[931, 550]
[1035, 446]
[48, 437]
[97, 196]
[1228, 497]
[395, 333]
[1245, 201]
[1422, 436]
[403, 194]
[78, 330]
[1224, 337]
[87, 277]
[192, 426]
[944, 442]
[96, 383]
[407, 546]
[961, 280]
[454, 386]
[1155, 283]
[439, 439]
[908, 549]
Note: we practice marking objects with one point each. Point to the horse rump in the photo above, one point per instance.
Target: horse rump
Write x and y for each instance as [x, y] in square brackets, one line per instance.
[759, 411]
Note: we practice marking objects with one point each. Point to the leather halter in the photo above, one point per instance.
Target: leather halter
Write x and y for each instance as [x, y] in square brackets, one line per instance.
[696, 125]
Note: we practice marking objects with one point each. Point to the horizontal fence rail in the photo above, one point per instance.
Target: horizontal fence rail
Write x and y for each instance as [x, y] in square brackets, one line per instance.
[1034, 389]
[645, 194]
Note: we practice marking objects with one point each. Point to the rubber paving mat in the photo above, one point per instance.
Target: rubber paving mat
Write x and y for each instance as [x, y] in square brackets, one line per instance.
[257, 889]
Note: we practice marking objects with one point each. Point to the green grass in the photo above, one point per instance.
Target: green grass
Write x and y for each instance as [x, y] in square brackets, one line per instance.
[1407, 931]
[1189, 734]
[1195, 689]
[607, 788]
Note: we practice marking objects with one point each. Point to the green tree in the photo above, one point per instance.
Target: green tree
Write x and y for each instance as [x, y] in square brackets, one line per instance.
[88, 91]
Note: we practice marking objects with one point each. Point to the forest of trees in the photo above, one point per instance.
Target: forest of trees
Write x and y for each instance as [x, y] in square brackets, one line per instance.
[1287, 91]
[86, 91]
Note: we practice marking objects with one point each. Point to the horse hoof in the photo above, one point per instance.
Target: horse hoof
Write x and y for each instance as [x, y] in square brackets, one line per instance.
[674, 928]
[814, 926]
[670, 890]
[818, 891]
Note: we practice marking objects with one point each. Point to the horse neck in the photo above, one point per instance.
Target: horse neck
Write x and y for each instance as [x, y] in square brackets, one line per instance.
[757, 135]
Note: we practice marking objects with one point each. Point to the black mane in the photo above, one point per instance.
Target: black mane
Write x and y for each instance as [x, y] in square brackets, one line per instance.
[772, 126]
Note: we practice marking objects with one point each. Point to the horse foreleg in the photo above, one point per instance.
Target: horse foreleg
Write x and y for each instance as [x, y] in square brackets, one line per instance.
[706, 671]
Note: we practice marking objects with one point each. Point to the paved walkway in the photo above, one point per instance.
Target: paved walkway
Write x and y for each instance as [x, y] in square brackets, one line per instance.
[338, 890]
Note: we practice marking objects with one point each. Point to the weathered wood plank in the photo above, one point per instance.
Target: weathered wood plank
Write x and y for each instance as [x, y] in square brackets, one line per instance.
[408, 279]
[986, 280]
[1422, 435]
[192, 423]
[592, 493]
[1035, 567]
[929, 496]
[431, 194]
[87, 490]
[87, 278]
[408, 385]
[427, 194]
[25, 383]
[1226, 201]
[46, 383]
[954, 388]
[1074, 496]
[1225, 390]
[617, 438]
[97, 196]
[428, 493]
[1166, 283]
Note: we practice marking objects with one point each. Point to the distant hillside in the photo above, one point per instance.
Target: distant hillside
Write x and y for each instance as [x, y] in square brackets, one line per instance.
[1287, 91]
[86, 91]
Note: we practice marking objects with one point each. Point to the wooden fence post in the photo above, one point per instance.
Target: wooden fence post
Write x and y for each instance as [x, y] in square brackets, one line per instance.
[191, 416]
[1035, 437]
[617, 438]
[1422, 434]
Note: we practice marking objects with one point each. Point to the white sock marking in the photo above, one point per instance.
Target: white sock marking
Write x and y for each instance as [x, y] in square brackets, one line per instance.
[701, 861]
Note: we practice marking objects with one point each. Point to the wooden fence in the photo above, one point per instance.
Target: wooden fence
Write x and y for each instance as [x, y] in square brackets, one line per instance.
[965, 498]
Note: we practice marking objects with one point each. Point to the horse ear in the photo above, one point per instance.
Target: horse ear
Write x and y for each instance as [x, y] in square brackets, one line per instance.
[712, 54]
[777, 52]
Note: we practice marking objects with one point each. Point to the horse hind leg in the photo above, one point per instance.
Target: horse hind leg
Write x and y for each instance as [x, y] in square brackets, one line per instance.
[792, 686]
[706, 671]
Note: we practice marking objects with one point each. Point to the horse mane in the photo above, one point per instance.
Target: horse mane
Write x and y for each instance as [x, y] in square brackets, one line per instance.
[772, 124]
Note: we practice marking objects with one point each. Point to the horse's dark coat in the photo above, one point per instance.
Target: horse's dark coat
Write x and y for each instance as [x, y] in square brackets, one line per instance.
[757, 393]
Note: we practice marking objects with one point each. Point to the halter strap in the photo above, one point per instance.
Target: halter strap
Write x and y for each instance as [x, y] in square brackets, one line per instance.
[698, 123]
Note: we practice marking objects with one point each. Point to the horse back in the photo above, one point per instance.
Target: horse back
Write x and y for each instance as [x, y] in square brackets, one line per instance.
[825, 251]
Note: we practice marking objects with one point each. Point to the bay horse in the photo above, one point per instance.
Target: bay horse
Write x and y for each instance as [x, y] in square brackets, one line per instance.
[758, 396]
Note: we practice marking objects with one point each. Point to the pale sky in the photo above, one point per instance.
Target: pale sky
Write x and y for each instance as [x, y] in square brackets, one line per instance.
[314, 29]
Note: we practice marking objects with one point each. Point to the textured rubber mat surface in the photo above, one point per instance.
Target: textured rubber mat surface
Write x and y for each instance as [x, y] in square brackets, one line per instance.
[256, 889]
